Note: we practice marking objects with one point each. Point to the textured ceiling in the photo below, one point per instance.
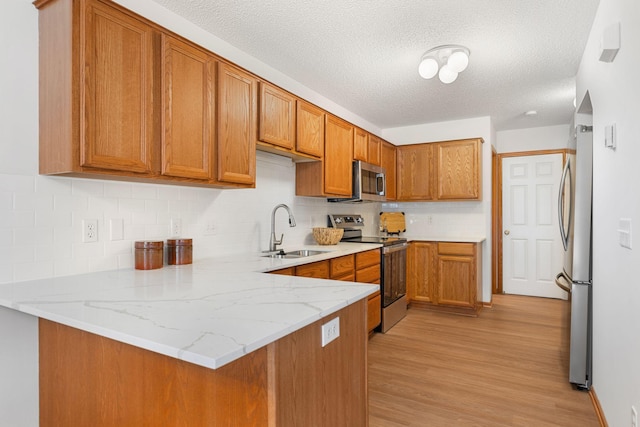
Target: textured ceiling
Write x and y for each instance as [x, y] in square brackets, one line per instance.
[364, 54]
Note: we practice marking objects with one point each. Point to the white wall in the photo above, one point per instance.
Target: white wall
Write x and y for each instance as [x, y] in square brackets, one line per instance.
[453, 218]
[533, 139]
[614, 90]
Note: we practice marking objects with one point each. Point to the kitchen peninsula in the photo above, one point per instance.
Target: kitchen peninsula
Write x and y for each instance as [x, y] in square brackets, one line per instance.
[212, 343]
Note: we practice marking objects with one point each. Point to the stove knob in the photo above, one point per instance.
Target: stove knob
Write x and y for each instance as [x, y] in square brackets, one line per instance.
[338, 220]
[360, 220]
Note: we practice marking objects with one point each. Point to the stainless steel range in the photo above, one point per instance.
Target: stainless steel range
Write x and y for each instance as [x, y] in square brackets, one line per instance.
[393, 265]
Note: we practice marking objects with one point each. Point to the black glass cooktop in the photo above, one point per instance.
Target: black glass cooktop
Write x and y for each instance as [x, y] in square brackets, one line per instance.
[385, 241]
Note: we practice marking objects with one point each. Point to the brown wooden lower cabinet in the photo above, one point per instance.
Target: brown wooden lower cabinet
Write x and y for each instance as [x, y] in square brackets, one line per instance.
[360, 267]
[86, 379]
[445, 276]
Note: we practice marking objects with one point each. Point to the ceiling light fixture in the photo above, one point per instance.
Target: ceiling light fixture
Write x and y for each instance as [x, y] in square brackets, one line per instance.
[446, 61]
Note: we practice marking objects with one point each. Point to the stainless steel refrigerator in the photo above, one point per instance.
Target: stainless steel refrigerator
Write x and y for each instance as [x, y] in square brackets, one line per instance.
[574, 212]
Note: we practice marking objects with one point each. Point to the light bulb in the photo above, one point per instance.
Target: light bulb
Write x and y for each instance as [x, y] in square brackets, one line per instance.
[447, 75]
[458, 61]
[428, 68]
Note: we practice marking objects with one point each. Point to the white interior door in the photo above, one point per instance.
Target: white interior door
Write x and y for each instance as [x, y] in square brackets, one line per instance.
[532, 249]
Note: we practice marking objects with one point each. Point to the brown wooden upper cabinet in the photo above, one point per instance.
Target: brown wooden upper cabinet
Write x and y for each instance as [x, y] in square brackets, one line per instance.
[188, 99]
[366, 147]
[338, 155]
[332, 175]
[415, 172]
[360, 145]
[123, 98]
[277, 117]
[100, 118]
[310, 129]
[388, 162]
[237, 118]
[442, 171]
[459, 169]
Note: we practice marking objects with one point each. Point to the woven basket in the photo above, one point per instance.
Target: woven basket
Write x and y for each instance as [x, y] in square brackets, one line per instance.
[327, 236]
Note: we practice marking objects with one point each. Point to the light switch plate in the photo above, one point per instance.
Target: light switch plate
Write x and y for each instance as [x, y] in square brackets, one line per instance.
[610, 136]
[330, 331]
[624, 232]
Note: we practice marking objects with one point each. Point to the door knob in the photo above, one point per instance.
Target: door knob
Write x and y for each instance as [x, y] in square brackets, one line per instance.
[506, 232]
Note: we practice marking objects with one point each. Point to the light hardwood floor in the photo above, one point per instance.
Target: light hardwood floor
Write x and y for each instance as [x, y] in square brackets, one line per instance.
[507, 367]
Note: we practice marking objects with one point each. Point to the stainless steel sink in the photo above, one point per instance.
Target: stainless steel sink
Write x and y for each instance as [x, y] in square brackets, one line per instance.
[293, 254]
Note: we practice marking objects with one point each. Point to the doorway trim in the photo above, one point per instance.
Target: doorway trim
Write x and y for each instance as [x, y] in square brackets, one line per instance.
[497, 208]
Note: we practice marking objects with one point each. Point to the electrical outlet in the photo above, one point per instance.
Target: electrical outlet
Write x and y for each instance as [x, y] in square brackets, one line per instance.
[175, 227]
[89, 230]
[330, 331]
[210, 229]
[634, 417]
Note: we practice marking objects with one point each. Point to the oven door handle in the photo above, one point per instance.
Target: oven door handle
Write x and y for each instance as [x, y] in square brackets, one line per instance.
[394, 248]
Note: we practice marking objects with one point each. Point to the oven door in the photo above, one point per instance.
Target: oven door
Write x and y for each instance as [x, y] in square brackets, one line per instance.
[394, 272]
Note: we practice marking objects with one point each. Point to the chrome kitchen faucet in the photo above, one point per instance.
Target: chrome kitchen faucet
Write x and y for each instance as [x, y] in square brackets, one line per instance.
[273, 242]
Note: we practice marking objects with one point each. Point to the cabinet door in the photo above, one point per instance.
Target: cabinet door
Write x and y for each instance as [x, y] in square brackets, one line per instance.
[422, 271]
[374, 311]
[116, 99]
[310, 129]
[415, 172]
[361, 145]
[459, 169]
[375, 144]
[456, 284]
[236, 125]
[388, 162]
[187, 109]
[338, 155]
[277, 116]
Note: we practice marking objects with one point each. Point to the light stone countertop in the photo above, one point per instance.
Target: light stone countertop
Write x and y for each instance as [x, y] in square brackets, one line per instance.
[208, 313]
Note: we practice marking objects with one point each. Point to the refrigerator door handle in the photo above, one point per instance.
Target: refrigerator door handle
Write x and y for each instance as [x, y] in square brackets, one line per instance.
[563, 283]
[564, 234]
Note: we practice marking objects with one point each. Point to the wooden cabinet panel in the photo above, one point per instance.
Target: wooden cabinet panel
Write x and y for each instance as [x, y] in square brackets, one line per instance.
[117, 103]
[322, 386]
[456, 284]
[459, 169]
[422, 271]
[365, 259]
[338, 155]
[188, 96]
[319, 270]
[236, 125]
[369, 274]
[445, 275]
[277, 116]
[375, 145]
[310, 129]
[388, 162]
[374, 311]
[415, 172]
[361, 145]
[342, 266]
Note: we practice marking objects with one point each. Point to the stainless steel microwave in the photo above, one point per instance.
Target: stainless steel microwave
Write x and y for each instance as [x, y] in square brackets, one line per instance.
[369, 184]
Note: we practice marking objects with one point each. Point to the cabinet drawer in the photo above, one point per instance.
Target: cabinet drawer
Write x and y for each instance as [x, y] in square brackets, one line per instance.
[373, 311]
[365, 259]
[319, 270]
[369, 274]
[453, 248]
[342, 266]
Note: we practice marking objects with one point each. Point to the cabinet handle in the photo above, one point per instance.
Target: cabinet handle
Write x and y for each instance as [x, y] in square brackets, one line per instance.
[507, 232]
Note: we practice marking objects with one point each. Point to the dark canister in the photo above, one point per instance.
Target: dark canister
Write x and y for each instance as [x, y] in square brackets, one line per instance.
[149, 254]
[179, 251]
